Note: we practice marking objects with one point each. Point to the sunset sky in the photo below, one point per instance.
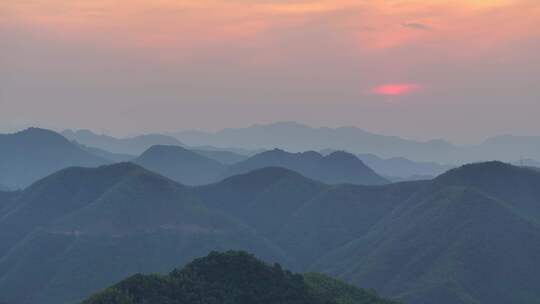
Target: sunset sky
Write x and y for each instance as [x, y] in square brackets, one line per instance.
[460, 70]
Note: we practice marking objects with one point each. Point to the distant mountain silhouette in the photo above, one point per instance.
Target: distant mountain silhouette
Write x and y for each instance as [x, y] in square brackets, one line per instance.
[34, 153]
[182, 165]
[233, 277]
[131, 146]
[296, 137]
[192, 168]
[508, 147]
[402, 168]
[335, 168]
[124, 149]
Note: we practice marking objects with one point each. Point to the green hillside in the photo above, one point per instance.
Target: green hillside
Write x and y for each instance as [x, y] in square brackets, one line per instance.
[233, 277]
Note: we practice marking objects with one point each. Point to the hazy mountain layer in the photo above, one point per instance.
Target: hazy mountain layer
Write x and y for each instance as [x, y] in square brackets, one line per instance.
[335, 168]
[296, 137]
[182, 165]
[34, 153]
[131, 146]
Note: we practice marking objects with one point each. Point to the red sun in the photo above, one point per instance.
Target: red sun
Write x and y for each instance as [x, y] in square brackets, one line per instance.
[395, 89]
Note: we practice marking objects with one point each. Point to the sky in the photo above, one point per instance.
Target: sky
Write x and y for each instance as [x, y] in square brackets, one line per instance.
[461, 70]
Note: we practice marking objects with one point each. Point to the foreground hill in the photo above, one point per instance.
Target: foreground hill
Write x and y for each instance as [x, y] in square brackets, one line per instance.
[336, 168]
[182, 165]
[34, 153]
[233, 277]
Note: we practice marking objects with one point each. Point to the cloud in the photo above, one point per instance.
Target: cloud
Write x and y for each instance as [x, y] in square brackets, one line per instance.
[416, 26]
[395, 89]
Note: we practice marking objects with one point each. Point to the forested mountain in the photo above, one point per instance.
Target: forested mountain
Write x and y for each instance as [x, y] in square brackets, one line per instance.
[303, 216]
[463, 239]
[182, 165]
[233, 277]
[469, 236]
[335, 168]
[34, 153]
[83, 229]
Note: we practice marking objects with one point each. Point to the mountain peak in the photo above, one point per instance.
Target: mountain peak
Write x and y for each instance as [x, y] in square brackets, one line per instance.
[343, 156]
[38, 134]
[180, 164]
[483, 169]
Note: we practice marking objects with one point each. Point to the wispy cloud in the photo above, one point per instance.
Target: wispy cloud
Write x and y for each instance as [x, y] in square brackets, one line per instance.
[416, 26]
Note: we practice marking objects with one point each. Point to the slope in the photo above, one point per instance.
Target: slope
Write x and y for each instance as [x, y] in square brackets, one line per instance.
[181, 165]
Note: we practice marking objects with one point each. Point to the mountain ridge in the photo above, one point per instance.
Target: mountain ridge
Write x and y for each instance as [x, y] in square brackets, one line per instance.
[34, 153]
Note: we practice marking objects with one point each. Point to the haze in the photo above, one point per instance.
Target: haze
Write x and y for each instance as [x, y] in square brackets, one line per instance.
[461, 70]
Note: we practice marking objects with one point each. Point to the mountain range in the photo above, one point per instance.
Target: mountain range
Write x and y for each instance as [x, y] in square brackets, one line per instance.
[395, 168]
[82, 229]
[335, 168]
[297, 137]
[469, 236]
[130, 146]
[191, 168]
[233, 277]
[34, 153]
[123, 149]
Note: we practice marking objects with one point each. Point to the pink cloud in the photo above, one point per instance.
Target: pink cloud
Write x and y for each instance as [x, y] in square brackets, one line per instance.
[395, 89]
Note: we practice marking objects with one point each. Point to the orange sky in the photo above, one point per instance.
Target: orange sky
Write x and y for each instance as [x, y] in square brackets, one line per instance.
[371, 25]
[346, 46]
